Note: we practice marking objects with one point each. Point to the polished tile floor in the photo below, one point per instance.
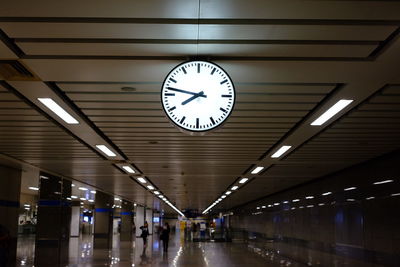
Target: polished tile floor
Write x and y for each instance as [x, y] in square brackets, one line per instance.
[180, 253]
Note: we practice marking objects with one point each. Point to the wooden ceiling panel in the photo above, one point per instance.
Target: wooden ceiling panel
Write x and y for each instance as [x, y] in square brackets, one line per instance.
[289, 62]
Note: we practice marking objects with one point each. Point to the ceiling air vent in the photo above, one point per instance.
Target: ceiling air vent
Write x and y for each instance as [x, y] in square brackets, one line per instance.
[13, 70]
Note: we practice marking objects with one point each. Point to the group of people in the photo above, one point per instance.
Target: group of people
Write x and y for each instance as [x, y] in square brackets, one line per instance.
[164, 236]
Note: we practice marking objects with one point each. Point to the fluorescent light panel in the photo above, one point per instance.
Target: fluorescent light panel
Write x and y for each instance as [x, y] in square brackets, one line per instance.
[83, 188]
[142, 180]
[58, 110]
[234, 187]
[243, 180]
[383, 182]
[150, 187]
[332, 111]
[280, 151]
[350, 188]
[33, 188]
[257, 169]
[128, 169]
[106, 150]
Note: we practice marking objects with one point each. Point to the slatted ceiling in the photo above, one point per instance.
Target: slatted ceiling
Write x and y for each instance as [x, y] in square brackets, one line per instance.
[271, 96]
[149, 49]
[154, 87]
[93, 30]
[296, 32]
[6, 53]
[189, 31]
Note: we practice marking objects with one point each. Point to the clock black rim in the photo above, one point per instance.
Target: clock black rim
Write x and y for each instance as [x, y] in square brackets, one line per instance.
[200, 131]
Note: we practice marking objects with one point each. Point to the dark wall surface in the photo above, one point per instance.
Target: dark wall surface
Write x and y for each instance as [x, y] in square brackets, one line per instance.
[353, 227]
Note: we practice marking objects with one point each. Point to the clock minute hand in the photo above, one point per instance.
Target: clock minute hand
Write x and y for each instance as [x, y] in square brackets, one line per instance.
[181, 91]
[194, 97]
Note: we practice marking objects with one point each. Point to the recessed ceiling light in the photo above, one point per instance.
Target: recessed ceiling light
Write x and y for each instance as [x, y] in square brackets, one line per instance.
[74, 197]
[27, 205]
[128, 169]
[150, 187]
[93, 192]
[309, 197]
[223, 196]
[220, 199]
[395, 194]
[91, 200]
[277, 204]
[350, 188]
[83, 188]
[369, 198]
[383, 182]
[142, 180]
[106, 150]
[285, 202]
[33, 188]
[72, 185]
[234, 187]
[326, 193]
[280, 151]
[256, 170]
[228, 192]
[332, 111]
[82, 198]
[350, 199]
[243, 180]
[263, 207]
[117, 199]
[58, 110]
[321, 204]
[296, 200]
[156, 192]
[68, 198]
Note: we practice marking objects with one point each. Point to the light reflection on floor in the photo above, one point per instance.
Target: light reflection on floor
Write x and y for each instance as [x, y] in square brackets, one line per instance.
[124, 253]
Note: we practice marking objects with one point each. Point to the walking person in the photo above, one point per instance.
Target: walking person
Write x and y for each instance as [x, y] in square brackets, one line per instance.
[165, 236]
[145, 233]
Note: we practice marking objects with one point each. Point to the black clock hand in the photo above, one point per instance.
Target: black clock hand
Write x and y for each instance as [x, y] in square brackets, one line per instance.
[194, 97]
[181, 91]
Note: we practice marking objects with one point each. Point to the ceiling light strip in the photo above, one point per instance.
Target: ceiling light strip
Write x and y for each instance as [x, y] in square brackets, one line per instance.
[280, 151]
[332, 111]
[58, 110]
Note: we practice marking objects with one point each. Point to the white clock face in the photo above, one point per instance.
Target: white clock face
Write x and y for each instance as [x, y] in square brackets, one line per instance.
[198, 96]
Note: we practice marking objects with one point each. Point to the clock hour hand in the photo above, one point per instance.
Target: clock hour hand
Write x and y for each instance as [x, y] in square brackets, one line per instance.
[194, 97]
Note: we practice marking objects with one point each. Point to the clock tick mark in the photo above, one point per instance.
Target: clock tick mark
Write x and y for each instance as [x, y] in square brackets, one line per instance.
[197, 123]
[226, 95]
[171, 109]
[212, 120]
[184, 71]
[172, 80]
[198, 68]
[169, 94]
[212, 72]
[183, 118]
[224, 81]
[223, 110]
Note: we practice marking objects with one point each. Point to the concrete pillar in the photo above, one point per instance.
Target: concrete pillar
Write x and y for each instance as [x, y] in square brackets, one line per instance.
[53, 221]
[126, 221]
[139, 219]
[149, 219]
[103, 220]
[10, 188]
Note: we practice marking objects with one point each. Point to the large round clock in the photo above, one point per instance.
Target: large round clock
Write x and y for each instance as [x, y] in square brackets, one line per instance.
[198, 96]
